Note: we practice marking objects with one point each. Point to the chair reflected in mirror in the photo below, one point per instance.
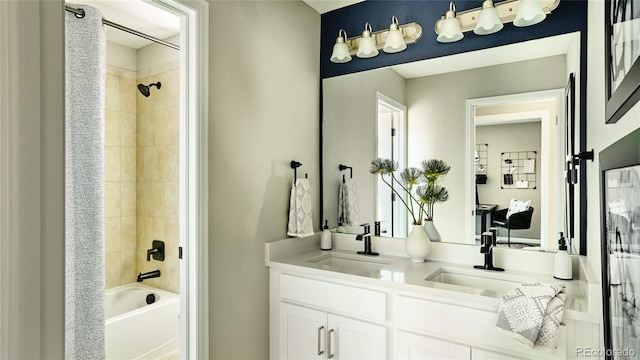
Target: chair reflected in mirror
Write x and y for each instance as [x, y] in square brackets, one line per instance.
[515, 221]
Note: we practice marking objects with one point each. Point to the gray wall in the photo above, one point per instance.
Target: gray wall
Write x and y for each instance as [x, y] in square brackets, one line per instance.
[264, 113]
[506, 138]
[437, 114]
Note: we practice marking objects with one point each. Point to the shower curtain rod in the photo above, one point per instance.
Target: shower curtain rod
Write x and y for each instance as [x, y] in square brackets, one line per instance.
[80, 14]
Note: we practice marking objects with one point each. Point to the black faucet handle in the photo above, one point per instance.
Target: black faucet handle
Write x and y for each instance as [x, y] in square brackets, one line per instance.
[157, 250]
[367, 228]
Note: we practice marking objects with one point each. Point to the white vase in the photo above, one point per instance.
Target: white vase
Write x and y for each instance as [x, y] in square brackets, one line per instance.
[417, 244]
[430, 229]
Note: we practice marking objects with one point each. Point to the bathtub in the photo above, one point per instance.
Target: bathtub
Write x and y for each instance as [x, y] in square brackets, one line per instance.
[135, 330]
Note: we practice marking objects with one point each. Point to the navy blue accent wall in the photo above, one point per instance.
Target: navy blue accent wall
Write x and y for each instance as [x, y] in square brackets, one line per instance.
[570, 16]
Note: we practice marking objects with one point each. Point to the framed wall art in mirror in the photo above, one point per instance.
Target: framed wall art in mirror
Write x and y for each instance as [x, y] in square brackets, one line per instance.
[622, 48]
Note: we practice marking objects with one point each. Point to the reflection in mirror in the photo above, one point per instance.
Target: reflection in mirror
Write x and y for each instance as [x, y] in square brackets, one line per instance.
[435, 93]
[391, 144]
[522, 138]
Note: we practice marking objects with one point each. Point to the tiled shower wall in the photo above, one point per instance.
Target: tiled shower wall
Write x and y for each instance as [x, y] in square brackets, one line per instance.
[141, 174]
[120, 177]
[157, 173]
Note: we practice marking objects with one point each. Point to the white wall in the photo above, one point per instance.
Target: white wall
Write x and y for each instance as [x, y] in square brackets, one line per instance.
[599, 134]
[264, 97]
[437, 127]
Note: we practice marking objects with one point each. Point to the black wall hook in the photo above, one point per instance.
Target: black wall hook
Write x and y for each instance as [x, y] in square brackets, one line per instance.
[295, 165]
[345, 167]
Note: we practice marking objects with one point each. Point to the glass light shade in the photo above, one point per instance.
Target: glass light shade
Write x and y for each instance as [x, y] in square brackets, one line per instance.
[395, 41]
[340, 52]
[367, 47]
[488, 21]
[529, 13]
[450, 30]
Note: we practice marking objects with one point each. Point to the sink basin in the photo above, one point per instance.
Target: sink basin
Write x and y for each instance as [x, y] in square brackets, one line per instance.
[363, 265]
[474, 281]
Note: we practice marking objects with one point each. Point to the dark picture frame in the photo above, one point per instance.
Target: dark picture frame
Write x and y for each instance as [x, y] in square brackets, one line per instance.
[617, 250]
[622, 79]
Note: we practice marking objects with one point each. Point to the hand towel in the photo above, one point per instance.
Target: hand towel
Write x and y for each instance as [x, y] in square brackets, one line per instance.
[300, 216]
[529, 166]
[348, 203]
[531, 314]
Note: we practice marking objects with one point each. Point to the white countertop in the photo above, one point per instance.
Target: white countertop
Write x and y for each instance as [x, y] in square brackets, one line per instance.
[401, 274]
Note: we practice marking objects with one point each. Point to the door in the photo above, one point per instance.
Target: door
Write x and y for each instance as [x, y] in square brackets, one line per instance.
[302, 333]
[353, 339]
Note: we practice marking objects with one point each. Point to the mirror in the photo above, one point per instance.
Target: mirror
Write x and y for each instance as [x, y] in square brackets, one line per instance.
[438, 95]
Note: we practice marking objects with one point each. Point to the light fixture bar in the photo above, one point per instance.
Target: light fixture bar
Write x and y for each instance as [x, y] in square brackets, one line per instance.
[507, 11]
[411, 32]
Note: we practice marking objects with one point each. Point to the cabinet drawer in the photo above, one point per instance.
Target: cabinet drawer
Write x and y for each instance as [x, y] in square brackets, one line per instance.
[454, 322]
[350, 300]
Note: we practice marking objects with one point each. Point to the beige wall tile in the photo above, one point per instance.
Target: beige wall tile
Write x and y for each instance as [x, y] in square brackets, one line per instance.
[143, 230]
[171, 199]
[112, 163]
[172, 236]
[155, 199]
[112, 128]
[112, 199]
[168, 161]
[168, 128]
[128, 195]
[112, 270]
[112, 234]
[128, 164]
[128, 89]
[151, 165]
[128, 273]
[171, 275]
[128, 233]
[112, 92]
[128, 129]
[140, 175]
[158, 69]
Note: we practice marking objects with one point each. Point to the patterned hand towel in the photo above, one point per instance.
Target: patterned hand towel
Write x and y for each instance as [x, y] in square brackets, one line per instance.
[348, 203]
[531, 314]
[300, 223]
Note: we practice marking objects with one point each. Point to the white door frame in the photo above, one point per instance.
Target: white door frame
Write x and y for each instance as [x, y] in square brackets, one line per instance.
[194, 183]
[547, 123]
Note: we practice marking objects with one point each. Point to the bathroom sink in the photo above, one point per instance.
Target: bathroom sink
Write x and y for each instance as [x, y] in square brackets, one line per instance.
[474, 281]
[369, 266]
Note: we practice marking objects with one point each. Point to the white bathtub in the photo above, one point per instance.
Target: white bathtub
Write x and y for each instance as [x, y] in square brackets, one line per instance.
[135, 330]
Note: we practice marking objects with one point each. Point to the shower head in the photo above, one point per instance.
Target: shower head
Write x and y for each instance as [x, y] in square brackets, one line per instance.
[144, 89]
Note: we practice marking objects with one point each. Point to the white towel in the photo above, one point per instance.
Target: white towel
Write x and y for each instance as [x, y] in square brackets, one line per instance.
[348, 203]
[529, 166]
[300, 217]
[531, 314]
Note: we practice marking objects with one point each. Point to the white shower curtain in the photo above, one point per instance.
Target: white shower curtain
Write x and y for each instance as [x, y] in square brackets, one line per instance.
[85, 235]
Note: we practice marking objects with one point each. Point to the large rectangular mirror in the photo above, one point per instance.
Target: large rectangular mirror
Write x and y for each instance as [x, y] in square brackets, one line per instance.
[444, 107]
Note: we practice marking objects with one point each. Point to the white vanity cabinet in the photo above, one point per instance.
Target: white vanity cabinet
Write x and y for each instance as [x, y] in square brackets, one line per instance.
[310, 334]
[325, 320]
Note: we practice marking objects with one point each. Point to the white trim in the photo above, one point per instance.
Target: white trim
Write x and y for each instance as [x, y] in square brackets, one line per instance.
[547, 123]
[194, 183]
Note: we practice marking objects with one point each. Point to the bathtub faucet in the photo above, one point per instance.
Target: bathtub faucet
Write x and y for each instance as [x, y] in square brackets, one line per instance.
[148, 275]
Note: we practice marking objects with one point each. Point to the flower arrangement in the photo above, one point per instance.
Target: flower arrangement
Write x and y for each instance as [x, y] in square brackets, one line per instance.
[420, 185]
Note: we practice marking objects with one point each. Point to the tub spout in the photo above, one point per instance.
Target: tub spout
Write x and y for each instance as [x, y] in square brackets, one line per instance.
[148, 275]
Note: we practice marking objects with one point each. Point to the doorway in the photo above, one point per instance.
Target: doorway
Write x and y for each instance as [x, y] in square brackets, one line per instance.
[155, 165]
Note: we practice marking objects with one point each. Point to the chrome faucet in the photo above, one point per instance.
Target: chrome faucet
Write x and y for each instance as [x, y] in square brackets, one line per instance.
[489, 240]
[148, 275]
[366, 236]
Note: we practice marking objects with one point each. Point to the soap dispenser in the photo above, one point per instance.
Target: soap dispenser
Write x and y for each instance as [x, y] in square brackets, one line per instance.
[325, 237]
[562, 266]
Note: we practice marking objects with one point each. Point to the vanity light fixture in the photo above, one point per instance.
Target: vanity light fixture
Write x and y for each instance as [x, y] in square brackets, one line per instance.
[367, 48]
[482, 20]
[450, 27]
[488, 20]
[395, 41]
[340, 50]
[391, 40]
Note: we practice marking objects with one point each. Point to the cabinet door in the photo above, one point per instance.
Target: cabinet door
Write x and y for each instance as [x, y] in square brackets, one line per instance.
[302, 333]
[413, 346]
[353, 339]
